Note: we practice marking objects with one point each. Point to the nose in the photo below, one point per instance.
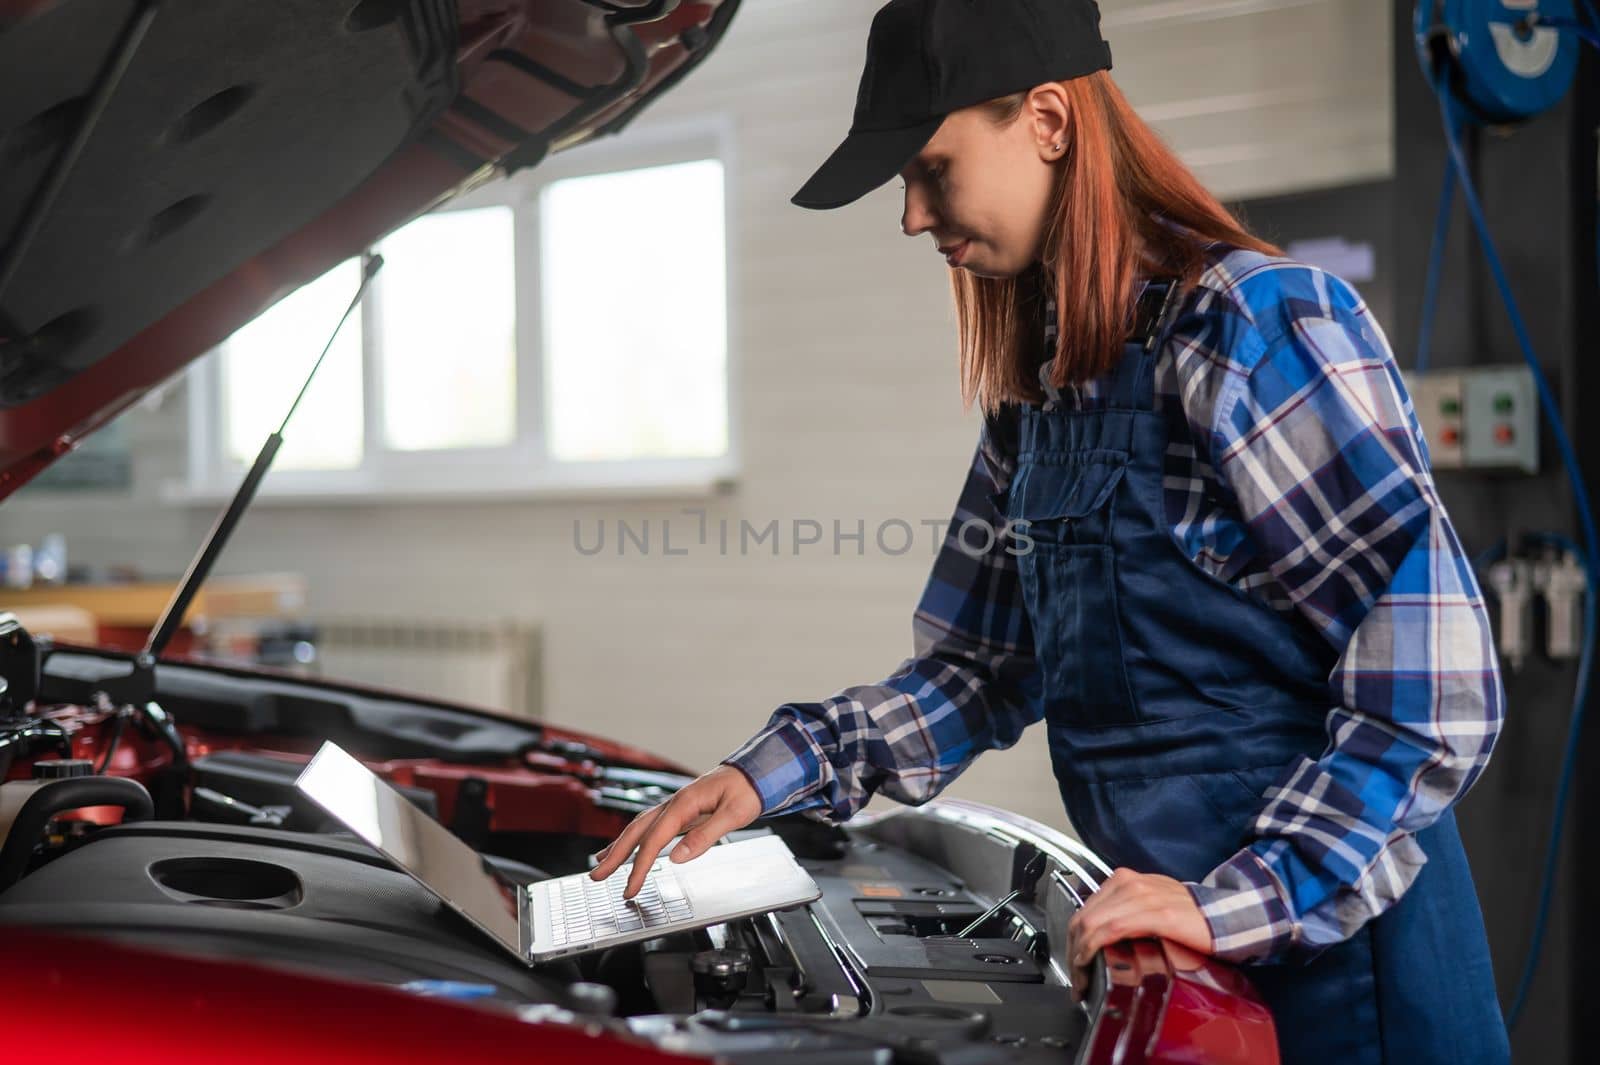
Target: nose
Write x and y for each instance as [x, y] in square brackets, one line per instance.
[918, 216]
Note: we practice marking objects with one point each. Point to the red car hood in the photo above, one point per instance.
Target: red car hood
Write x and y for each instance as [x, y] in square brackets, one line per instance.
[168, 172]
[206, 1010]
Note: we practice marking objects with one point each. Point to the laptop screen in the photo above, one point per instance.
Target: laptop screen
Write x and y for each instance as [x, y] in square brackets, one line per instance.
[354, 795]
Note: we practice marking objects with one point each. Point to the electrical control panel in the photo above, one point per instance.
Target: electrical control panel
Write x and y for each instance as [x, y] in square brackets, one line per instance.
[1482, 418]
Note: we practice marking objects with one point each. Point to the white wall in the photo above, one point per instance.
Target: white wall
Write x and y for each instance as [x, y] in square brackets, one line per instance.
[845, 392]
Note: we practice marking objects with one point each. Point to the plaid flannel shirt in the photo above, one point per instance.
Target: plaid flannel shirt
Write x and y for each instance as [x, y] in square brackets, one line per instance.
[1295, 470]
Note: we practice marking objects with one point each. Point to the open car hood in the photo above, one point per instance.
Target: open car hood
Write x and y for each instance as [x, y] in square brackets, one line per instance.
[168, 171]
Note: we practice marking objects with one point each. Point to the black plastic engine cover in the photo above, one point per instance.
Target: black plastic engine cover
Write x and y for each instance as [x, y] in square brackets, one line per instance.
[280, 898]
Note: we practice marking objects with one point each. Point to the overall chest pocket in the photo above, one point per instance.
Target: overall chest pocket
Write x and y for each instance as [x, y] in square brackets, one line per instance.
[1060, 514]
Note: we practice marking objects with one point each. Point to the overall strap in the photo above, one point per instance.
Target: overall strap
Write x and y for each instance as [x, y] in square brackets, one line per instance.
[1132, 386]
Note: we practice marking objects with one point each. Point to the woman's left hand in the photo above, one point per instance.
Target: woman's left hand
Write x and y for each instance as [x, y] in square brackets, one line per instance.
[1131, 904]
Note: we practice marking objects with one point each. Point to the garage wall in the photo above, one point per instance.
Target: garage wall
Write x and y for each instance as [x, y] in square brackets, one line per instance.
[845, 393]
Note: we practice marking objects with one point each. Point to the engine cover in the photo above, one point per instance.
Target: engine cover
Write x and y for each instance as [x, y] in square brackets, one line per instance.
[289, 899]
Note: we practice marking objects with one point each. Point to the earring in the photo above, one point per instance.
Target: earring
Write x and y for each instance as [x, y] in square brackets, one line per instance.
[1055, 147]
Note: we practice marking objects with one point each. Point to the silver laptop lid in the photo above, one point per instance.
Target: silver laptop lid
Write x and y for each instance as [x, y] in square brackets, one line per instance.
[401, 832]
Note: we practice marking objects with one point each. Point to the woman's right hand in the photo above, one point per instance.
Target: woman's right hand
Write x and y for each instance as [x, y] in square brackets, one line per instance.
[714, 804]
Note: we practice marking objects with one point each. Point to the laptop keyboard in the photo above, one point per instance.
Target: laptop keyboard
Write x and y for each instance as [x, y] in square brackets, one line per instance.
[583, 909]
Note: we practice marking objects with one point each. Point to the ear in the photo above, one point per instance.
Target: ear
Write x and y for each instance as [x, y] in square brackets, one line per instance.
[1049, 117]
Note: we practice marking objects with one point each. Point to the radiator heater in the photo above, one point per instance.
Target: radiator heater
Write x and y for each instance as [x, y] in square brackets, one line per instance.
[492, 665]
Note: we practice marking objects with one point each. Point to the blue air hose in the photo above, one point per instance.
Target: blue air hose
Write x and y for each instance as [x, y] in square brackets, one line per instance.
[1430, 287]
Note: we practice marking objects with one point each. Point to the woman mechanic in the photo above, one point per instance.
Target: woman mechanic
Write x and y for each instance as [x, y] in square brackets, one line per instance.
[1228, 588]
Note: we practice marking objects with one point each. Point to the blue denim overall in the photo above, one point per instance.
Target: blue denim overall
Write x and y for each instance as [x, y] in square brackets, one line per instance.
[1174, 700]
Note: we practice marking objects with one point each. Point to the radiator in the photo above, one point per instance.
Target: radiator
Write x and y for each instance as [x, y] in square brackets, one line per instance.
[492, 665]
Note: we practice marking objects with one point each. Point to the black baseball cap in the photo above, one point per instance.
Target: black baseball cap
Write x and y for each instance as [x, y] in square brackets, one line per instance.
[926, 58]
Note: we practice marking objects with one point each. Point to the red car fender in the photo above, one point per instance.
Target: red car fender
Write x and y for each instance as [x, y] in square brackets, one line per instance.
[1168, 1005]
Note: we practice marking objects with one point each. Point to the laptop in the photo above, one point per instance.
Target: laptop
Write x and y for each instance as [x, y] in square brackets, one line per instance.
[565, 915]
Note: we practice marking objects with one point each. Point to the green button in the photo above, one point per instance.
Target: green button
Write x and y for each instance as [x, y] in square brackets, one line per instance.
[1503, 403]
[1449, 406]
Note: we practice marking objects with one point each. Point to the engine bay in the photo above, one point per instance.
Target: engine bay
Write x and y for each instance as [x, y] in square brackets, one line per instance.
[878, 950]
[175, 827]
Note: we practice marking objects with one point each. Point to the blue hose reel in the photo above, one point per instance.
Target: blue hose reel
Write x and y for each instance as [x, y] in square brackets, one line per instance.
[1506, 66]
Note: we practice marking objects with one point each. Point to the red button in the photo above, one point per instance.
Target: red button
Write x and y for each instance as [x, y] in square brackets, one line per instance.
[1450, 437]
[1503, 434]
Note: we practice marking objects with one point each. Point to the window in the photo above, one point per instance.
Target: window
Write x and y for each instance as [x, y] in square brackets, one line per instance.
[448, 321]
[569, 332]
[264, 363]
[636, 348]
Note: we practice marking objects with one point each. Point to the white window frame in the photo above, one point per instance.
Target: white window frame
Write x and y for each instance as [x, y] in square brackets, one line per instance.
[523, 467]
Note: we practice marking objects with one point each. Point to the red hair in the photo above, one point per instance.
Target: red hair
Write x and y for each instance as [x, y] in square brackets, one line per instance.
[1120, 189]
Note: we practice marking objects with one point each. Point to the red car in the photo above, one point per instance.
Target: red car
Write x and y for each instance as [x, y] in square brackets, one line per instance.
[166, 173]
